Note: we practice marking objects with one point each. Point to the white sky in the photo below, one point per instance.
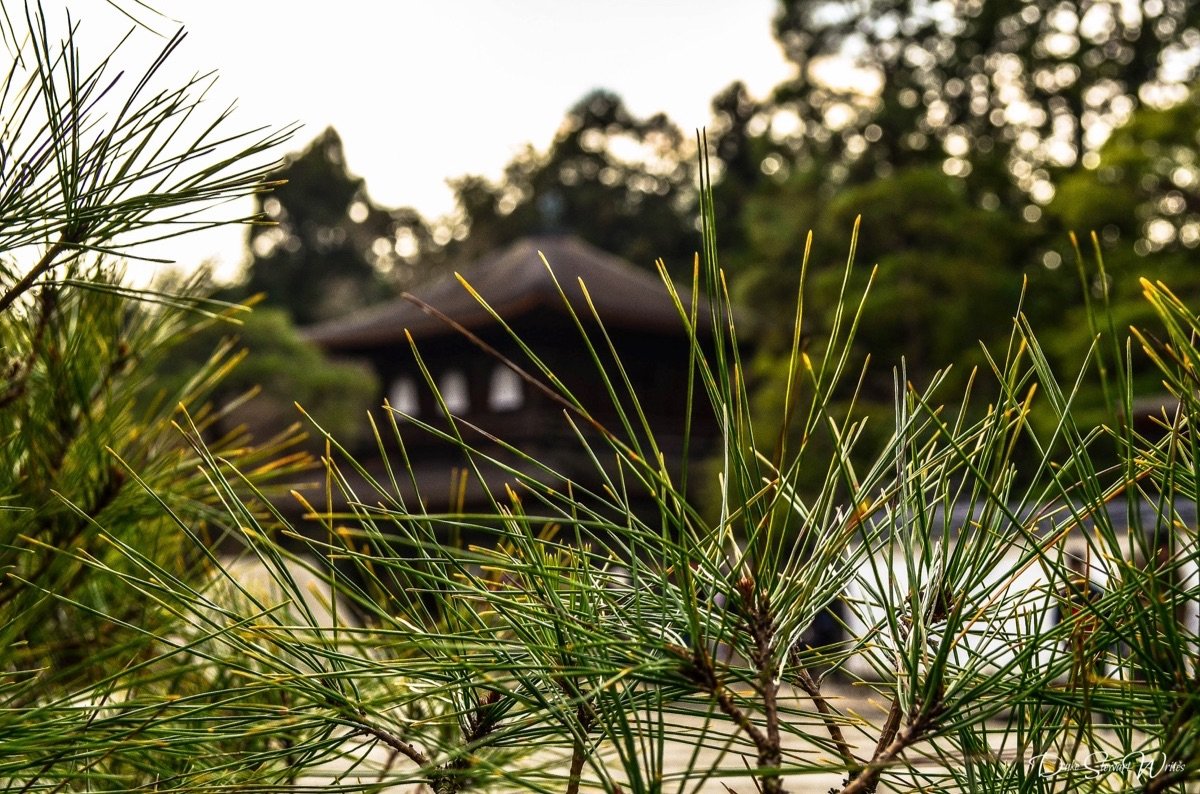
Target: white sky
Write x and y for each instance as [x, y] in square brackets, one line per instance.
[422, 92]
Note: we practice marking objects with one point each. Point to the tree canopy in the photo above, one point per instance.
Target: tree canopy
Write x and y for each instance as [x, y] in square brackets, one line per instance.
[972, 138]
[623, 183]
[325, 248]
[1038, 84]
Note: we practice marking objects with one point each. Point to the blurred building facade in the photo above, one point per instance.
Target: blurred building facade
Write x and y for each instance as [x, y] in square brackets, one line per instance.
[540, 293]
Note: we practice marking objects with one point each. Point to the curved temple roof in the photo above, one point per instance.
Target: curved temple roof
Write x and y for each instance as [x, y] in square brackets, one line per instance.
[515, 282]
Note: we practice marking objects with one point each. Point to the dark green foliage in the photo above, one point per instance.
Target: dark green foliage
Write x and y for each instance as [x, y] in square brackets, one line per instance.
[1143, 194]
[327, 249]
[278, 371]
[947, 268]
[1142, 203]
[97, 482]
[1013, 99]
[969, 138]
[88, 428]
[965, 70]
[622, 183]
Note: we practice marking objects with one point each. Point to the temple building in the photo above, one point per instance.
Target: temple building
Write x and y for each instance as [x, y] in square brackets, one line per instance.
[470, 355]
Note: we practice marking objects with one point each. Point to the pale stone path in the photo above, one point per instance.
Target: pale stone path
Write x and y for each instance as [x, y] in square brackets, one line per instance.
[679, 756]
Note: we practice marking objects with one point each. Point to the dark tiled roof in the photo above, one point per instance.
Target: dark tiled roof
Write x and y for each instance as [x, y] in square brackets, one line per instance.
[515, 282]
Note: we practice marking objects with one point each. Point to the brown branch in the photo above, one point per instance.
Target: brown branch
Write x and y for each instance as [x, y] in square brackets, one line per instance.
[1176, 728]
[866, 781]
[1165, 780]
[28, 280]
[395, 742]
[756, 611]
[699, 669]
[579, 751]
[585, 717]
[443, 780]
[726, 702]
[20, 370]
[771, 756]
[811, 688]
[446, 779]
[890, 726]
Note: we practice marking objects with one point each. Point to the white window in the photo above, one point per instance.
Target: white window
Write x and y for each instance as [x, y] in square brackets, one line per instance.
[403, 396]
[505, 392]
[453, 388]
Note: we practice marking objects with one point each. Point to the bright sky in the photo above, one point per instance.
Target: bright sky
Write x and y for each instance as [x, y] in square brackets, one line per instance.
[422, 92]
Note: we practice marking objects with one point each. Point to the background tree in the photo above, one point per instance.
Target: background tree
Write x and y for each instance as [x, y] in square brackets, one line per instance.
[952, 129]
[622, 183]
[1035, 84]
[1010, 98]
[1142, 194]
[276, 370]
[737, 148]
[328, 249]
[1142, 201]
